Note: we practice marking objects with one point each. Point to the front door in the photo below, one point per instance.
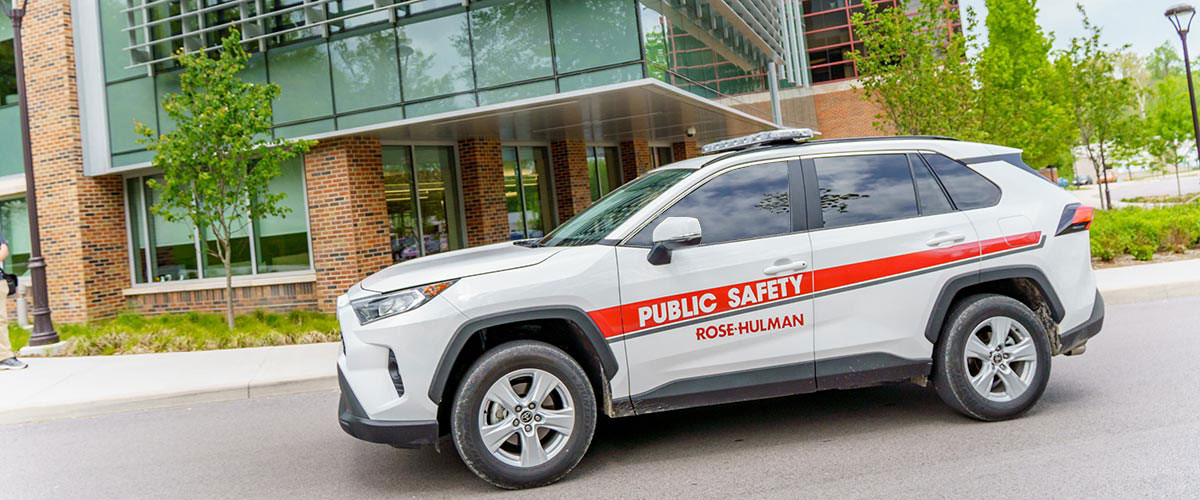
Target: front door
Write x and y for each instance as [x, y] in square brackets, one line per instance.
[730, 319]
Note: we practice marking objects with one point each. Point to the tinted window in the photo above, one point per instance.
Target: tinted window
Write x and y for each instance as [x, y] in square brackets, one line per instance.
[932, 199]
[743, 203]
[967, 188]
[865, 189]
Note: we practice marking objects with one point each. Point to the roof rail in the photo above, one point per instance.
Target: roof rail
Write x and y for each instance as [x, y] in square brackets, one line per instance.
[777, 144]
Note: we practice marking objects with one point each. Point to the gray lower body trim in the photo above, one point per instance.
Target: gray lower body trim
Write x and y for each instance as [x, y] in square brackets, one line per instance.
[783, 380]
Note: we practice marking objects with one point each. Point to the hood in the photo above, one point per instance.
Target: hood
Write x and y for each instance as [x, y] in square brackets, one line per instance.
[456, 264]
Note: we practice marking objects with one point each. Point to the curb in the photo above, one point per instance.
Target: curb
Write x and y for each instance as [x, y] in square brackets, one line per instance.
[168, 400]
[1150, 293]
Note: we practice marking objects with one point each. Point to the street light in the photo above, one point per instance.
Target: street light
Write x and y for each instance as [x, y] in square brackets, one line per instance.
[43, 328]
[1176, 15]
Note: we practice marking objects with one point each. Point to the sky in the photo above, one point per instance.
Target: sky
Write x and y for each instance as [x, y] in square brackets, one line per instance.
[1139, 23]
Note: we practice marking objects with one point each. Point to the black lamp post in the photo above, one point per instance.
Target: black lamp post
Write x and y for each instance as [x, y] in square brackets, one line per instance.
[1177, 15]
[43, 328]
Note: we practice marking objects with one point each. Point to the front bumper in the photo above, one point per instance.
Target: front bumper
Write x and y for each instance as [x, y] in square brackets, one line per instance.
[401, 434]
[1079, 335]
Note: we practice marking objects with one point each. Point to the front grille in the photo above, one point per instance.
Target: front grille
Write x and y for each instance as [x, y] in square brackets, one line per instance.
[394, 371]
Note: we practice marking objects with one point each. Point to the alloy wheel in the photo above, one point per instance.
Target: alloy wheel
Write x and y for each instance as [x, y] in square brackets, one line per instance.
[526, 417]
[1000, 359]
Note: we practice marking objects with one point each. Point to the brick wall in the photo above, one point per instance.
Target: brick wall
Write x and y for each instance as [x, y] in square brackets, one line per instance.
[81, 218]
[635, 159]
[845, 113]
[684, 150]
[568, 161]
[347, 212]
[278, 298]
[482, 180]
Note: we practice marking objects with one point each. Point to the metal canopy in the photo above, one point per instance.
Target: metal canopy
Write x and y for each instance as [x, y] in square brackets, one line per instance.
[644, 109]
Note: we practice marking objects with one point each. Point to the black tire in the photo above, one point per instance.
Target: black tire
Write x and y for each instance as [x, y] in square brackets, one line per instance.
[498, 362]
[950, 375]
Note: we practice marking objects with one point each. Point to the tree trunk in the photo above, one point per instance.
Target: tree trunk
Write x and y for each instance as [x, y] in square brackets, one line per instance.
[228, 286]
[1178, 185]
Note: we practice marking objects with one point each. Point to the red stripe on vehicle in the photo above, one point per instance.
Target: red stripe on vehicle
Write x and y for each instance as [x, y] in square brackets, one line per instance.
[629, 318]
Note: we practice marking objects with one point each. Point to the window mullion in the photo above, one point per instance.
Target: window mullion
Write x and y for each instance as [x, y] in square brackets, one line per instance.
[416, 197]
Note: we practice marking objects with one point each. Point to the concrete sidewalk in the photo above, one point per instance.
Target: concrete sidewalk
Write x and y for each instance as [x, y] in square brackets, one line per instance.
[1149, 282]
[93, 385]
[82, 386]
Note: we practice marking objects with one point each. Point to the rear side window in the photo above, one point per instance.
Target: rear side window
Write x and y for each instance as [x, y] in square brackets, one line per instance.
[930, 197]
[865, 189]
[748, 202]
[967, 188]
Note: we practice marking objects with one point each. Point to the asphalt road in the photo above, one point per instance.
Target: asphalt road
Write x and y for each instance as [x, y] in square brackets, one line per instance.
[1118, 422]
[1189, 182]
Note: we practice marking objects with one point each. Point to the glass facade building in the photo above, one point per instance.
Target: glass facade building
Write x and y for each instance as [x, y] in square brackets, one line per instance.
[441, 124]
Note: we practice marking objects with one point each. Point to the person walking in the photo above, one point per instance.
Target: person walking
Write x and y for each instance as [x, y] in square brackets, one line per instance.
[8, 360]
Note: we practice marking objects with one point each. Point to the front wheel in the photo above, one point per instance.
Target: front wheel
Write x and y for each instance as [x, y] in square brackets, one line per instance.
[524, 415]
[993, 359]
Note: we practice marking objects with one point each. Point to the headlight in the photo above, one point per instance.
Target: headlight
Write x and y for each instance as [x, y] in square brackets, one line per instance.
[393, 303]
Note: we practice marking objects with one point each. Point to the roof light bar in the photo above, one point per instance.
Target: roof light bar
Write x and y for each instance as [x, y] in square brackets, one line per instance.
[768, 137]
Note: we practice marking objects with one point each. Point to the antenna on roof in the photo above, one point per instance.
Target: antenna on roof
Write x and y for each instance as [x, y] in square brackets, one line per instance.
[787, 135]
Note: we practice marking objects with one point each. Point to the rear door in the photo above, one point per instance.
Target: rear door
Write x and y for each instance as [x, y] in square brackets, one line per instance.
[730, 319]
[885, 239]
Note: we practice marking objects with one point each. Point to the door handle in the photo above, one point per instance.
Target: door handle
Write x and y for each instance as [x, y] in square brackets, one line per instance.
[943, 238]
[784, 266]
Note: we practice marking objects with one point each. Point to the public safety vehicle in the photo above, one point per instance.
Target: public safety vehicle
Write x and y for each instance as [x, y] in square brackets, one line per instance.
[772, 265]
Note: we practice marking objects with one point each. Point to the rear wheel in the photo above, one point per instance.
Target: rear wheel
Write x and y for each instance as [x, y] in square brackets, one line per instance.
[524, 415]
[993, 359]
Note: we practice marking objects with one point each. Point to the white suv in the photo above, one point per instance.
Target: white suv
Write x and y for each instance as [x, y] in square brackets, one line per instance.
[777, 267]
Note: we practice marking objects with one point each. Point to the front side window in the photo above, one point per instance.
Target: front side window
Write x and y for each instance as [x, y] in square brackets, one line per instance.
[601, 218]
[865, 189]
[743, 203]
[967, 188]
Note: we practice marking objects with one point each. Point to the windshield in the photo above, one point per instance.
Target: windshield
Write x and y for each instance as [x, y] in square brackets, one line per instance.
[593, 224]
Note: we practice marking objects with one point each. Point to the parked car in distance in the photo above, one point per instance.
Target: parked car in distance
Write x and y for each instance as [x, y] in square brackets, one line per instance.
[774, 265]
[1083, 180]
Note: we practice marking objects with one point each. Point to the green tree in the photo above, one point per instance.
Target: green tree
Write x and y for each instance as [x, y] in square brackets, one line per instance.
[1163, 62]
[1016, 81]
[219, 160]
[1101, 102]
[917, 69]
[1169, 122]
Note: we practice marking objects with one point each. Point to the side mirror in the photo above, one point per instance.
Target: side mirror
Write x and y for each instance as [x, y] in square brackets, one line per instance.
[673, 233]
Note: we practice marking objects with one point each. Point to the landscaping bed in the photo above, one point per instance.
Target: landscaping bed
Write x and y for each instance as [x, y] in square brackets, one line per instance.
[1162, 198]
[1140, 233]
[131, 333]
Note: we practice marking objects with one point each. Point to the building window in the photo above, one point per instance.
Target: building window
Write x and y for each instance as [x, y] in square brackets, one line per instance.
[661, 155]
[511, 42]
[14, 223]
[525, 188]
[604, 170]
[581, 28]
[427, 175]
[169, 251]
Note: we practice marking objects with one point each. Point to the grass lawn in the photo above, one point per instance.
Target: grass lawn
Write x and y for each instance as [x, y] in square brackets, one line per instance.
[1166, 198]
[130, 333]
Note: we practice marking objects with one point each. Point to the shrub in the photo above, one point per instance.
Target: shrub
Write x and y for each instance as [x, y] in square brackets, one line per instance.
[1141, 232]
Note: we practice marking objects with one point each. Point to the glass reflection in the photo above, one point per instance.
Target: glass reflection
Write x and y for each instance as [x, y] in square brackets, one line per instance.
[748, 202]
[430, 224]
[365, 70]
[440, 61]
[865, 189]
[524, 167]
[511, 42]
[581, 27]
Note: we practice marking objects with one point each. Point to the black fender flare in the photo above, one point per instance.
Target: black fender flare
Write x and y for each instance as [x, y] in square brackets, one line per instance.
[933, 329]
[441, 376]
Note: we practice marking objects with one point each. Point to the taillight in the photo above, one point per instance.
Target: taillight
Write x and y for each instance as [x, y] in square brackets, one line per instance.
[1075, 218]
